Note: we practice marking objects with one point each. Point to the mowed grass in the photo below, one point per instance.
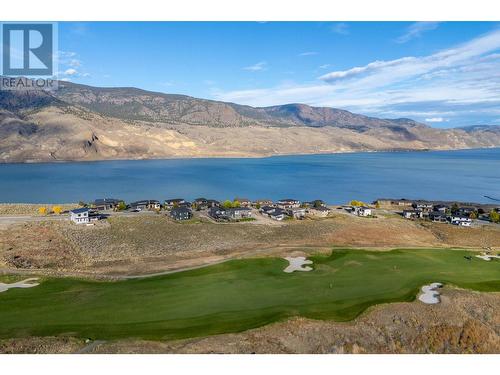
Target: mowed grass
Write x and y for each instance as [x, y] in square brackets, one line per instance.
[236, 295]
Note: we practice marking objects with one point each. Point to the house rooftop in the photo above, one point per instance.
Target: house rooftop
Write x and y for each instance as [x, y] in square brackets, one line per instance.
[80, 210]
[180, 210]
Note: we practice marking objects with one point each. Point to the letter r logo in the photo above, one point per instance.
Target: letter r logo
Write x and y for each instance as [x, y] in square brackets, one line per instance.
[28, 49]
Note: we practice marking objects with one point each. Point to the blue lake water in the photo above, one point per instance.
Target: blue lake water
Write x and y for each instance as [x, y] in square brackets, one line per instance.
[466, 175]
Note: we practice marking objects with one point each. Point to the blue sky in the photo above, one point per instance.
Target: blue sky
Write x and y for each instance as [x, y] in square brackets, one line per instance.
[443, 74]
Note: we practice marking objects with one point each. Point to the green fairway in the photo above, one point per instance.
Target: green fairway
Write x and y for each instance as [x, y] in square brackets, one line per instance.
[236, 295]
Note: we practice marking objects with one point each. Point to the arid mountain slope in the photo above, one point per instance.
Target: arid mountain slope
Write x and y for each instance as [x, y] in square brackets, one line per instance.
[80, 122]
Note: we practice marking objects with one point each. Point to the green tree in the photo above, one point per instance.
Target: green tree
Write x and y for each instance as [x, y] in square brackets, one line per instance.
[495, 217]
[121, 206]
[454, 208]
[236, 204]
[317, 203]
[227, 204]
[357, 203]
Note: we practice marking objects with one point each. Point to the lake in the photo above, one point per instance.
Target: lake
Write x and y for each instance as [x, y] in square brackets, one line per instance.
[465, 175]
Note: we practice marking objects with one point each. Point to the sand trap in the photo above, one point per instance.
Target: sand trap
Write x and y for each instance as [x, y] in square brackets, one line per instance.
[297, 264]
[488, 257]
[429, 293]
[28, 283]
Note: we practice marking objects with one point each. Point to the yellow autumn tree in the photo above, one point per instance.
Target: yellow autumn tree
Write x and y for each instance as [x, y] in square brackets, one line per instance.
[57, 210]
[42, 210]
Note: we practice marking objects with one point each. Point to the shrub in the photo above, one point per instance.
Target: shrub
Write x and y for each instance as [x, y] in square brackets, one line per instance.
[495, 217]
[358, 203]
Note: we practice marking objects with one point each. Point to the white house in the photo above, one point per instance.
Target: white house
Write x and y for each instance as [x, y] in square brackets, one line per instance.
[362, 211]
[297, 213]
[461, 220]
[80, 216]
[288, 203]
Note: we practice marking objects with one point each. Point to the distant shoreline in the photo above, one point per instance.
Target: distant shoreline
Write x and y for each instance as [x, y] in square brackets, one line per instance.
[264, 156]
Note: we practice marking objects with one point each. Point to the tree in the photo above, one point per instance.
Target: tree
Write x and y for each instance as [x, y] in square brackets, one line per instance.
[227, 204]
[317, 203]
[454, 208]
[236, 204]
[57, 210]
[357, 203]
[495, 217]
[42, 210]
[473, 215]
[82, 204]
[121, 206]
[257, 206]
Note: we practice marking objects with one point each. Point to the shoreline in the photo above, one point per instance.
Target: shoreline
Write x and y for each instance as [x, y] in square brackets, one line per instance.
[243, 156]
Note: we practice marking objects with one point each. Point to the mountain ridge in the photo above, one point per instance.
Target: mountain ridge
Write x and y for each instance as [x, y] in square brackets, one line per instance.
[80, 122]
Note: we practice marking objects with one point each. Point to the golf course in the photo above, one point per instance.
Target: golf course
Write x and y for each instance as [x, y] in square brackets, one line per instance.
[236, 295]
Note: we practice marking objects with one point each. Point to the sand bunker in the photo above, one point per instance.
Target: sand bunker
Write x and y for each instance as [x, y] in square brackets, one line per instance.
[297, 264]
[28, 283]
[488, 257]
[429, 293]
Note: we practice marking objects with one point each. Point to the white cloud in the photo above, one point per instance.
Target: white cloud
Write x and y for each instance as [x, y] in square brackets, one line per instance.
[70, 65]
[341, 28]
[435, 119]
[308, 53]
[456, 81]
[415, 30]
[70, 72]
[324, 66]
[262, 65]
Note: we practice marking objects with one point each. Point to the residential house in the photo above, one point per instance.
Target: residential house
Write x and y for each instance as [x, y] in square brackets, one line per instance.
[277, 214]
[218, 213]
[319, 211]
[104, 204]
[244, 202]
[441, 208]
[438, 217]
[239, 213]
[461, 220]
[314, 203]
[386, 202]
[80, 215]
[181, 213]
[213, 203]
[362, 211]
[288, 203]
[171, 203]
[262, 203]
[200, 203]
[412, 214]
[465, 211]
[83, 215]
[296, 212]
[272, 212]
[266, 210]
[425, 207]
[149, 204]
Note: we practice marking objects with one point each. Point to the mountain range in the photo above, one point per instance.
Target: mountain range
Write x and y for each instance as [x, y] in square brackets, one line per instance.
[78, 122]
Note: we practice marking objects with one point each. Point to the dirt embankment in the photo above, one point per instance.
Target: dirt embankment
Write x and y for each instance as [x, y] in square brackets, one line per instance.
[148, 244]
